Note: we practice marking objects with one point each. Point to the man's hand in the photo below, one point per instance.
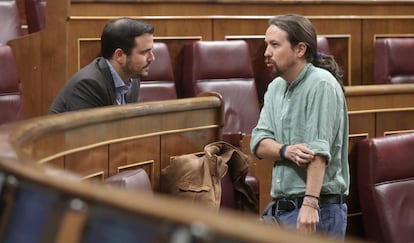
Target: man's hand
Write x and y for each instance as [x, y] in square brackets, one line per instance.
[299, 154]
[308, 216]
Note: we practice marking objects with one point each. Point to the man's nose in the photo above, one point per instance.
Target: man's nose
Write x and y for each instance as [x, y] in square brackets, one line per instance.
[267, 52]
[151, 56]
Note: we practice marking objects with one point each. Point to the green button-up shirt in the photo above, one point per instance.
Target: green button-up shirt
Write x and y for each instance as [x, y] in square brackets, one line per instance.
[311, 110]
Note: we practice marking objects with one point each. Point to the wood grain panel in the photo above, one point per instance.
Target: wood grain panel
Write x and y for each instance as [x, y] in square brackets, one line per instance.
[345, 45]
[136, 152]
[395, 121]
[90, 164]
[249, 7]
[376, 97]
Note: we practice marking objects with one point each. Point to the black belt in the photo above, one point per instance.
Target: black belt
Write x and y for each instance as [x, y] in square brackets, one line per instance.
[289, 204]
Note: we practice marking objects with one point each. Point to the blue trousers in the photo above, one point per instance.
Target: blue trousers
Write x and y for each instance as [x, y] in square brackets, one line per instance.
[332, 219]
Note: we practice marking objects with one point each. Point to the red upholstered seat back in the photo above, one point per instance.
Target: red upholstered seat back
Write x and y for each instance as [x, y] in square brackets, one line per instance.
[35, 15]
[224, 67]
[393, 60]
[10, 96]
[386, 187]
[10, 26]
[160, 83]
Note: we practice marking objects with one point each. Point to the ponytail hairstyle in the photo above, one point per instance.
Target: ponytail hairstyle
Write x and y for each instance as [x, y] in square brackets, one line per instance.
[300, 29]
[328, 62]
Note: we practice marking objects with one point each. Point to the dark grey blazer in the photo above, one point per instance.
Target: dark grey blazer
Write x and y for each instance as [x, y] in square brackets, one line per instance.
[93, 86]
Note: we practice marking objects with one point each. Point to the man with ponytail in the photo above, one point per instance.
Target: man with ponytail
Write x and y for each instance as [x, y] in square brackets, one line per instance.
[303, 128]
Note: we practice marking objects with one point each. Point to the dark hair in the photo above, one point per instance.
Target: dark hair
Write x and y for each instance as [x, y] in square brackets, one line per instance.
[300, 29]
[121, 33]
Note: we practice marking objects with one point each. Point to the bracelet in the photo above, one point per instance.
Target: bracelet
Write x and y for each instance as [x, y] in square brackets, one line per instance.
[312, 196]
[282, 151]
[311, 205]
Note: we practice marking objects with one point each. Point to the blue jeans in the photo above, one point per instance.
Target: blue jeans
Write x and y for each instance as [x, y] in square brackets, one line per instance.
[332, 219]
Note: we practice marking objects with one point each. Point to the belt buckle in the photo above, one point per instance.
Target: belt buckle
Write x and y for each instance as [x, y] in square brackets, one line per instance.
[285, 205]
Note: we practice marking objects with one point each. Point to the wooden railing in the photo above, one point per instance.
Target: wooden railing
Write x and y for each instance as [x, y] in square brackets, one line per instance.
[42, 161]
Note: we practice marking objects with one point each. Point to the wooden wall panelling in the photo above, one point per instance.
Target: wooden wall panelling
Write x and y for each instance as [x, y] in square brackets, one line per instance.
[239, 26]
[395, 121]
[340, 48]
[54, 55]
[249, 7]
[143, 153]
[361, 122]
[263, 169]
[57, 163]
[382, 25]
[88, 49]
[90, 164]
[30, 70]
[49, 144]
[346, 47]
[375, 97]
[82, 34]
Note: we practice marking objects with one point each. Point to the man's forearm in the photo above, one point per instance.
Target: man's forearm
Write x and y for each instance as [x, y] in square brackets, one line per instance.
[268, 149]
[315, 174]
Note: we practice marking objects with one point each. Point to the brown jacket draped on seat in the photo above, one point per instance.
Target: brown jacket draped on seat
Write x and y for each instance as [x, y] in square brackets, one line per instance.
[198, 177]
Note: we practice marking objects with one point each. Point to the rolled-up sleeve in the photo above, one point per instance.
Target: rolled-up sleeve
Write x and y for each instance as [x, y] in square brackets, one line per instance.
[323, 113]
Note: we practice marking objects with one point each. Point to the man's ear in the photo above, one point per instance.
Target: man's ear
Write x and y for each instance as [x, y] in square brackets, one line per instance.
[301, 48]
[119, 56]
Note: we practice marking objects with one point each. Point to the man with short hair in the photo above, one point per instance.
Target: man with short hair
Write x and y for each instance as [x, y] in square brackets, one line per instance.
[113, 78]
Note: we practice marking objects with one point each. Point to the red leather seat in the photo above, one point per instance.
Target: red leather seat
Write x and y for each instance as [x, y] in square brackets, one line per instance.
[386, 187]
[10, 96]
[224, 67]
[35, 15]
[160, 83]
[10, 26]
[393, 60]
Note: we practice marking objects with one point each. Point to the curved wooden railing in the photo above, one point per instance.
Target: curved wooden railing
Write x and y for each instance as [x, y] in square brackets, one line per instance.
[42, 161]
